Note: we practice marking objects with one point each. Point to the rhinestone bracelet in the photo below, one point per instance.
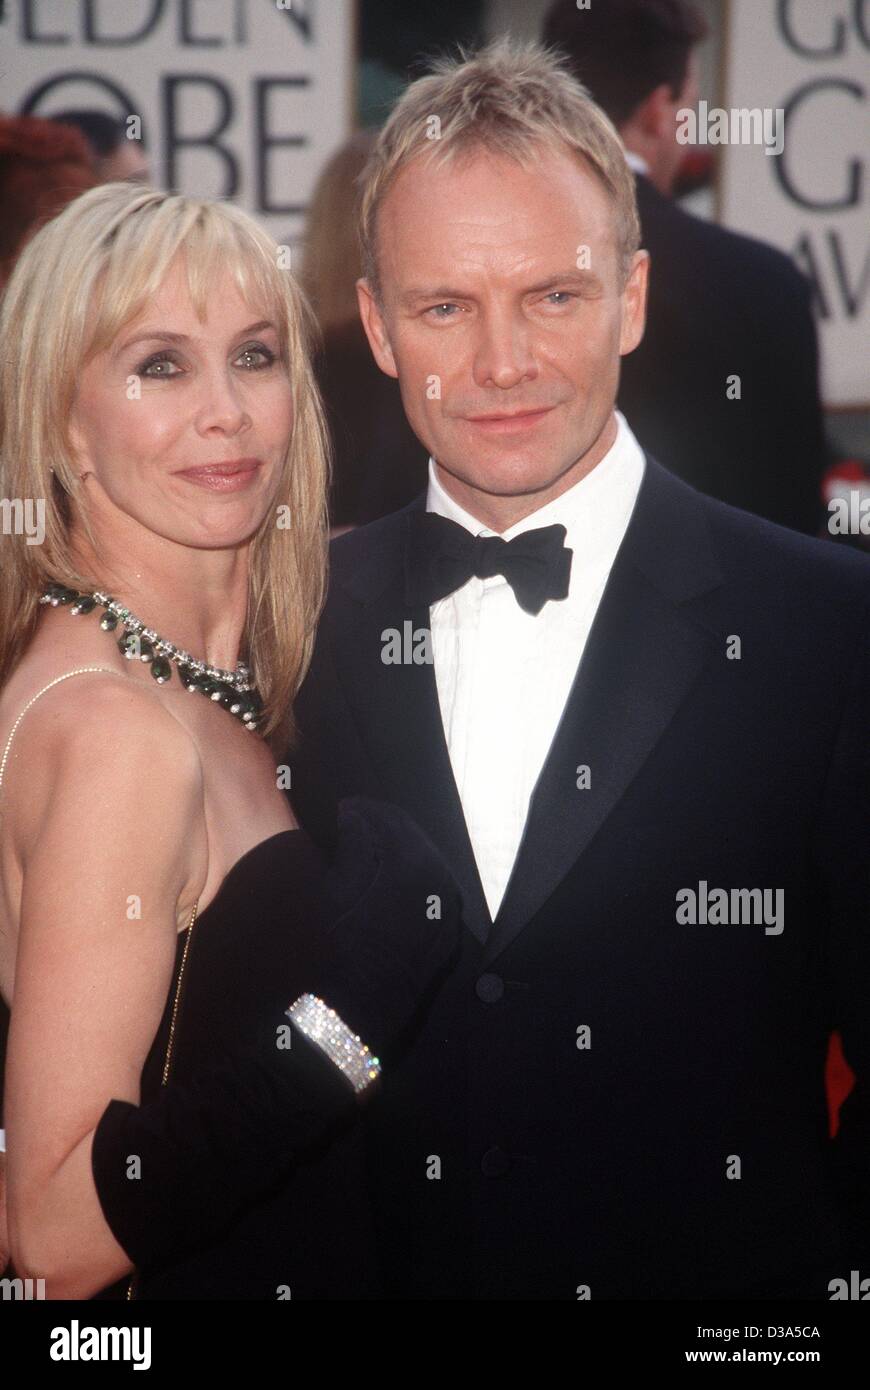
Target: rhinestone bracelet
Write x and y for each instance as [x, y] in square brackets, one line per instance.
[322, 1026]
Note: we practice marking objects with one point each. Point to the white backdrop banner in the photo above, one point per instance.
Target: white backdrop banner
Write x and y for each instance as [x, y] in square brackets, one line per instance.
[239, 99]
[810, 61]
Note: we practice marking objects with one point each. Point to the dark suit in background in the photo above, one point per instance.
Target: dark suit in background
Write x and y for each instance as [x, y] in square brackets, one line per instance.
[379, 463]
[608, 1166]
[721, 305]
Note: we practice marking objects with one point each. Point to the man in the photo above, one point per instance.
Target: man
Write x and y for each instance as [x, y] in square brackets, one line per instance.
[611, 702]
[720, 305]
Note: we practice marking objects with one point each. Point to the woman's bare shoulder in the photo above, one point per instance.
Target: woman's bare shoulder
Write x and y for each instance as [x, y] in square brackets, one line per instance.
[104, 705]
[103, 742]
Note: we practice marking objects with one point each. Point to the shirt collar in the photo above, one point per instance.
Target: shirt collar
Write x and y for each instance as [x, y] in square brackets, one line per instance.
[636, 162]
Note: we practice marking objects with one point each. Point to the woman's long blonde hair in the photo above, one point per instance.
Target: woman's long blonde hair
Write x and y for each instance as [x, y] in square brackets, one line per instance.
[104, 256]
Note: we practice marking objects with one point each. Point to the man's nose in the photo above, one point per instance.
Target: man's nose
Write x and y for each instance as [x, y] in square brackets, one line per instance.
[504, 353]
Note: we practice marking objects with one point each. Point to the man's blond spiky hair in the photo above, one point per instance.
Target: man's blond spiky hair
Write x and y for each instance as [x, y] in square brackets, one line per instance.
[511, 98]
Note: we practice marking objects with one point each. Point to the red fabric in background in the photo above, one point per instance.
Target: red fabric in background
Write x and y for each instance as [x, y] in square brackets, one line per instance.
[839, 1080]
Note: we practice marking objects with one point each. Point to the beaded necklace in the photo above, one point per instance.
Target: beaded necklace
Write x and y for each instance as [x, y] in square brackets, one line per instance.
[234, 690]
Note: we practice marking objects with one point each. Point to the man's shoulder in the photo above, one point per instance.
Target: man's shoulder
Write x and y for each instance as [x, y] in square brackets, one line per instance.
[752, 550]
[358, 557]
[362, 541]
[684, 538]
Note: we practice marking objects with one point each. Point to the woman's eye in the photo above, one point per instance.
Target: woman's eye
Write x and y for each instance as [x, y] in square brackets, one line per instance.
[163, 366]
[265, 355]
[149, 368]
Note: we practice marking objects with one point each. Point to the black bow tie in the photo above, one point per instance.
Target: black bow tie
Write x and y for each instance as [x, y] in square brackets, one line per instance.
[441, 556]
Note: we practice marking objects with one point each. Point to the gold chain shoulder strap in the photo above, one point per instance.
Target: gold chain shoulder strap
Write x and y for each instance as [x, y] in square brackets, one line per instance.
[170, 1041]
[79, 671]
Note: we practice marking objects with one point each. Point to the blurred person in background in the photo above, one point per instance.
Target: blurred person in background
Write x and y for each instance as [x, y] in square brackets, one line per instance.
[117, 158]
[379, 464]
[42, 169]
[394, 40]
[719, 303]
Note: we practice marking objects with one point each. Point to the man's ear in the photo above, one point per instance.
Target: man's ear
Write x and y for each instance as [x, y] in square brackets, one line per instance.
[634, 303]
[375, 328]
[655, 115]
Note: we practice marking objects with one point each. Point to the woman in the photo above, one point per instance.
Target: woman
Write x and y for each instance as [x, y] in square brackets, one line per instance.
[160, 910]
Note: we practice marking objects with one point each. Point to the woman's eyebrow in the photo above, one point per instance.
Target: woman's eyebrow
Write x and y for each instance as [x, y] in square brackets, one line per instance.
[165, 335]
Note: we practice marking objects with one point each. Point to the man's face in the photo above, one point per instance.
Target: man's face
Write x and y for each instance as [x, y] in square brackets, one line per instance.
[503, 296]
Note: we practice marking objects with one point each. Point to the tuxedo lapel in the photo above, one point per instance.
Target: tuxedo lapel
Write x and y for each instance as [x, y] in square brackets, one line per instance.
[644, 651]
[397, 709]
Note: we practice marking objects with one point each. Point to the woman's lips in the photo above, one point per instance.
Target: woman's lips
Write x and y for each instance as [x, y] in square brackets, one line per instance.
[227, 477]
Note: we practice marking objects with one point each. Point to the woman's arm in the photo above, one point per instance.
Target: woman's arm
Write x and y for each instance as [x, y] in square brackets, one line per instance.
[207, 1149]
[4, 1227]
[108, 868]
[155, 1181]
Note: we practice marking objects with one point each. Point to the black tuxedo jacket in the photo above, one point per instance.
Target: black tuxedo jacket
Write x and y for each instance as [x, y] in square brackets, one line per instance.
[720, 305]
[603, 1096]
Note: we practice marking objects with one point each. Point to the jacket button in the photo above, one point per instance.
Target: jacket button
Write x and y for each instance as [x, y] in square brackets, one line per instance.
[489, 988]
[495, 1163]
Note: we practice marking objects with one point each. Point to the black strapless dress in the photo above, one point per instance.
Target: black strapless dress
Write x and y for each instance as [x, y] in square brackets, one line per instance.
[268, 1221]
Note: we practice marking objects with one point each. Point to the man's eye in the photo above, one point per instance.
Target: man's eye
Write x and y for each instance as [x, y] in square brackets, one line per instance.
[265, 355]
[563, 295]
[162, 361]
[435, 307]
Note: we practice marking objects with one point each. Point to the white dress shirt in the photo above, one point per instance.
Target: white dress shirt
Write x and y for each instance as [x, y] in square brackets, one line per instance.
[503, 675]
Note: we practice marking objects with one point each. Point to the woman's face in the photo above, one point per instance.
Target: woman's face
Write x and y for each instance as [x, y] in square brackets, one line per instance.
[174, 394]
